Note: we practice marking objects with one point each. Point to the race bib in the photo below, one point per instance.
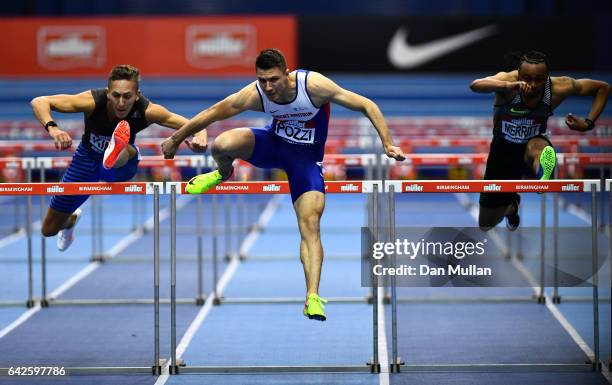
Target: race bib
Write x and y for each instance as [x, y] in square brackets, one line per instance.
[295, 131]
[99, 143]
[520, 132]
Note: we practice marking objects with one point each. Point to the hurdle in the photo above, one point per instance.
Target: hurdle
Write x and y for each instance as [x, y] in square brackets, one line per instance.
[371, 365]
[24, 165]
[566, 186]
[119, 188]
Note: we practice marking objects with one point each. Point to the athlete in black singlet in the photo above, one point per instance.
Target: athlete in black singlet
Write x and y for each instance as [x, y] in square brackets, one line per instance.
[524, 99]
[104, 109]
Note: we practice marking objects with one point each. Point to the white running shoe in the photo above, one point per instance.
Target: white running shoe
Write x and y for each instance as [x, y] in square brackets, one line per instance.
[66, 236]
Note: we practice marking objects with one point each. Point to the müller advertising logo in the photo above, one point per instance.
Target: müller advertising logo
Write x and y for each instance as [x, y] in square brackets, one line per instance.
[133, 188]
[413, 187]
[69, 47]
[492, 187]
[55, 189]
[349, 188]
[570, 187]
[216, 46]
[271, 187]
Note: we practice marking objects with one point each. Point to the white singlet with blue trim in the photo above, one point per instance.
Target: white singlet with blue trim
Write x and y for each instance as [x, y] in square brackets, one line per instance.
[294, 121]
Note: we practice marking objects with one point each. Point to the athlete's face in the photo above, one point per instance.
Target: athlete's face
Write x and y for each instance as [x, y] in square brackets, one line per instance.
[535, 75]
[274, 82]
[121, 95]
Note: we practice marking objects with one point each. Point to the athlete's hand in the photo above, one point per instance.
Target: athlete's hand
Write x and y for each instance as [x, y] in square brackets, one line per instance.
[169, 148]
[199, 142]
[519, 86]
[61, 139]
[395, 152]
[575, 123]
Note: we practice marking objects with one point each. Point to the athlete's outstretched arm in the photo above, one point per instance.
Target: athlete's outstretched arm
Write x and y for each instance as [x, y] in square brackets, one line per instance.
[324, 90]
[245, 99]
[599, 90]
[43, 105]
[159, 114]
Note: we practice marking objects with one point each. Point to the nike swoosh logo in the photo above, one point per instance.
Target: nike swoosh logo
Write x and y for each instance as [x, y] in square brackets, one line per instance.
[513, 110]
[404, 55]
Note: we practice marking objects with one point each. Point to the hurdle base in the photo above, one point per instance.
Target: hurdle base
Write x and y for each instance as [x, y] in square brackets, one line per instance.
[597, 367]
[556, 299]
[30, 303]
[497, 368]
[395, 367]
[99, 258]
[374, 366]
[276, 369]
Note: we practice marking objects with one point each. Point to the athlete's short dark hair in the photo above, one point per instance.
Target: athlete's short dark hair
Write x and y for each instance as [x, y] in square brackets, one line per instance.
[124, 72]
[534, 57]
[271, 58]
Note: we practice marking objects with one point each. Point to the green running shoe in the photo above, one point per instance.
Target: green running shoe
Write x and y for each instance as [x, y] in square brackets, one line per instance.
[201, 183]
[313, 308]
[548, 161]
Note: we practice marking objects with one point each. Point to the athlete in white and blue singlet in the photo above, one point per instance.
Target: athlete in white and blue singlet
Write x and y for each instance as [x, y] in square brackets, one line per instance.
[294, 141]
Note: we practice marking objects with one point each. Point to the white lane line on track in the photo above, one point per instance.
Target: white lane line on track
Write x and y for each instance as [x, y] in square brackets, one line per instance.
[92, 266]
[17, 235]
[228, 274]
[264, 218]
[567, 326]
[12, 238]
[22, 318]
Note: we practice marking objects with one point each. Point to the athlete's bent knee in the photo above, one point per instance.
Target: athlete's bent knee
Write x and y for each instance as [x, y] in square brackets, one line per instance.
[221, 146]
[48, 230]
[535, 147]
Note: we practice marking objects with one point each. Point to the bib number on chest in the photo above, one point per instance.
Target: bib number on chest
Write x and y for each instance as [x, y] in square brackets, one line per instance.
[519, 132]
[99, 143]
[295, 132]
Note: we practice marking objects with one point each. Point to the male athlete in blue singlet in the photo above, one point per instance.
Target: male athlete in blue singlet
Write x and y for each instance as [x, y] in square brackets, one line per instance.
[107, 152]
[524, 99]
[295, 140]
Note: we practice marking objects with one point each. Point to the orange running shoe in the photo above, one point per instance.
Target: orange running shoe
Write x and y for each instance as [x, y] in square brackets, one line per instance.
[119, 140]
